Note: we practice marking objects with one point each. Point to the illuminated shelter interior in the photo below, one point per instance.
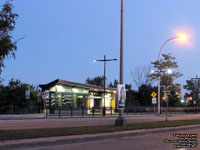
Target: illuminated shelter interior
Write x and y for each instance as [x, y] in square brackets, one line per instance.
[77, 95]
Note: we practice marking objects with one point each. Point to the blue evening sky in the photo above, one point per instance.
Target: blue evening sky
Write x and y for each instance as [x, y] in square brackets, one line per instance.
[62, 37]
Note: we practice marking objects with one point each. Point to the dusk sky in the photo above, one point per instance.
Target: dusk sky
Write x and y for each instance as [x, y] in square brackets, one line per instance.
[62, 37]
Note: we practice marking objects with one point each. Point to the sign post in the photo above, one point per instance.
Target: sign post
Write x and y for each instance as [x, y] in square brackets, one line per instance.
[27, 96]
[153, 94]
[45, 95]
[154, 100]
[39, 100]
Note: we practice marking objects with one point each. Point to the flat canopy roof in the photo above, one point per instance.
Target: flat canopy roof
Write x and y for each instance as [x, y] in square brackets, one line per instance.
[73, 84]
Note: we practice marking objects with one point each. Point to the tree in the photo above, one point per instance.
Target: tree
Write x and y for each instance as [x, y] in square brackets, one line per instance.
[131, 97]
[174, 99]
[141, 76]
[14, 94]
[114, 84]
[144, 95]
[98, 81]
[187, 98]
[168, 62]
[192, 86]
[7, 25]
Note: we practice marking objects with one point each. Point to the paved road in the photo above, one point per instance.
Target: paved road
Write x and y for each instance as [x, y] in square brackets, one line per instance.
[69, 122]
[145, 142]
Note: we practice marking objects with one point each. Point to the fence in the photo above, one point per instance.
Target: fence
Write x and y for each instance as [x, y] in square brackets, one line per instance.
[95, 112]
[19, 110]
[128, 111]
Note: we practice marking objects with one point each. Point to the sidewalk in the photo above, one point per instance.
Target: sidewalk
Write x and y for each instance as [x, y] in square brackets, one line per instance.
[22, 116]
[16, 144]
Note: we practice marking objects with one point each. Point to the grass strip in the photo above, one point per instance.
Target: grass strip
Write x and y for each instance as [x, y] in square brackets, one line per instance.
[50, 132]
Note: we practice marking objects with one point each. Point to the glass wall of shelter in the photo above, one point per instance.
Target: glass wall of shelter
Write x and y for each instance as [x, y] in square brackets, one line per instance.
[76, 97]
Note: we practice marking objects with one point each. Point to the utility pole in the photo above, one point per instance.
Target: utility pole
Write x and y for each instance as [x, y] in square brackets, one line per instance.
[120, 121]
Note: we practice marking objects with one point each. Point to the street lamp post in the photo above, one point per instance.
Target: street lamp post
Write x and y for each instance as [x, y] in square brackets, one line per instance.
[120, 121]
[160, 69]
[182, 37]
[104, 89]
[170, 81]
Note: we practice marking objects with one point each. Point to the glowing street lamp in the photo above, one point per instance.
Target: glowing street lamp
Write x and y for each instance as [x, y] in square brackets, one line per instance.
[104, 60]
[169, 71]
[182, 37]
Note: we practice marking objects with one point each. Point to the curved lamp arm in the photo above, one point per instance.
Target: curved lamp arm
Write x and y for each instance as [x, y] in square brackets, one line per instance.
[159, 70]
[164, 45]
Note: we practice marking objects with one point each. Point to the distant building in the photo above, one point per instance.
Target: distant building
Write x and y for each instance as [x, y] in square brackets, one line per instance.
[77, 95]
[177, 88]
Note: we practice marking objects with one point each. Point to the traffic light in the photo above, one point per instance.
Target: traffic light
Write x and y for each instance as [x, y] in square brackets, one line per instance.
[190, 98]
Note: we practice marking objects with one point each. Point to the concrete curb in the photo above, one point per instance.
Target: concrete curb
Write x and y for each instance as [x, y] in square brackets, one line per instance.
[16, 144]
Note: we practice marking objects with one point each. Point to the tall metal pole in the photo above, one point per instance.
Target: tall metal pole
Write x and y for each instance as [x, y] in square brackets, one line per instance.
[104, 60]
[120, 121]
[167, 103]
[197, 95]
[159, 90]
[159, 70]
[104, 108]
[122, 50]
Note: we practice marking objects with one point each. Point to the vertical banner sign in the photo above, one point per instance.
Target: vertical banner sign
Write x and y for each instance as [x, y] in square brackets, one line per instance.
[121, 96]
[27, 94]
[45, 94]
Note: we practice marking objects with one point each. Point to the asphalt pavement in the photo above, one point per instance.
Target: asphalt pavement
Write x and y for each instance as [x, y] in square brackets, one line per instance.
[142, 142]
[66, 141]
[69, 122]
[148, 139]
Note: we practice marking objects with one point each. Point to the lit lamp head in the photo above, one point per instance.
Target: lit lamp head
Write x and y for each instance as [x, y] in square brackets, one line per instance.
[152, 71]
[182, 37]
[94, 60]
[169, 71]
